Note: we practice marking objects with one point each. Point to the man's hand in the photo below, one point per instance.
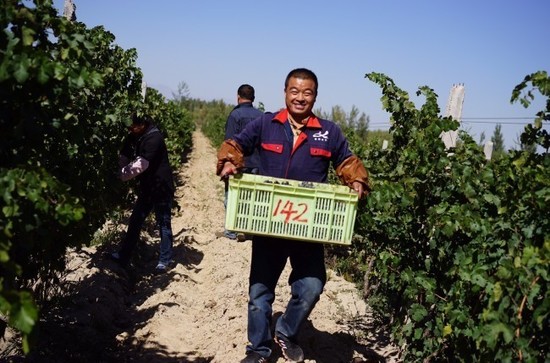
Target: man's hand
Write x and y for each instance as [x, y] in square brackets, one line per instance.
[359, 189]
[228, 169]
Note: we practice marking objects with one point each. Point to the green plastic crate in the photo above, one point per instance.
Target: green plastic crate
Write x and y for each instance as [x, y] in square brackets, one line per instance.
[313, 212]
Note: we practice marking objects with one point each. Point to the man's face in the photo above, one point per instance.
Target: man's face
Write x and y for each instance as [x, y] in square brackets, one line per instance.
[136, 129]
[300, 97]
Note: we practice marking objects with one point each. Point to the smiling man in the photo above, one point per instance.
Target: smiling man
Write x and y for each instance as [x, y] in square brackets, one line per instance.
[293, 144]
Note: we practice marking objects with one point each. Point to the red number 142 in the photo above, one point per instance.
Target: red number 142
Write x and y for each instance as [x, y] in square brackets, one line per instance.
[290, 212]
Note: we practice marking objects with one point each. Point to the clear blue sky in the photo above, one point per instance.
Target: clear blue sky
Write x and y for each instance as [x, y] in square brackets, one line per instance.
[214, 46]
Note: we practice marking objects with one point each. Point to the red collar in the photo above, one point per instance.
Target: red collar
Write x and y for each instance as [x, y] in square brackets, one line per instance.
[282, 117]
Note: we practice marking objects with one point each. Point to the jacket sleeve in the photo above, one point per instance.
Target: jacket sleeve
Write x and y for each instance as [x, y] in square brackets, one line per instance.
[352, 170]
[133, 168]
[231, 151]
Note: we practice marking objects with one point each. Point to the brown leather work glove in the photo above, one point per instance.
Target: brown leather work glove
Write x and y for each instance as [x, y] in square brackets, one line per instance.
[232, 152]
[352, 171]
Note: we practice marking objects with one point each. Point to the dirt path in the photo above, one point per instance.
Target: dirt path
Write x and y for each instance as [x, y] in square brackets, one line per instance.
[197, 311]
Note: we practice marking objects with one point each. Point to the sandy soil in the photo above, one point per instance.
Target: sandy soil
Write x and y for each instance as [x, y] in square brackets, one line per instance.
[197, 311]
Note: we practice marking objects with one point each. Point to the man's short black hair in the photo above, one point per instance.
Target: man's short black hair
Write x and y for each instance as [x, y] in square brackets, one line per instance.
[302, 73]
[246, 91]
[141, 120]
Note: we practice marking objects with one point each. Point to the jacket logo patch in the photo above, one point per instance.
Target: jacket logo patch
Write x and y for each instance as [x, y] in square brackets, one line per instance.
[320, 136]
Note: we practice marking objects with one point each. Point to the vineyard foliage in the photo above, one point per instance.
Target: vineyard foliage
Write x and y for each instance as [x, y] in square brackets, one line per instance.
[175, 121]
[211, 117]
[453, 250]
[66, 95]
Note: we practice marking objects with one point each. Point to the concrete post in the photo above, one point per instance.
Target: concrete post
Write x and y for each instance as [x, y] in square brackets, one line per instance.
[454, 109]
[69, 10]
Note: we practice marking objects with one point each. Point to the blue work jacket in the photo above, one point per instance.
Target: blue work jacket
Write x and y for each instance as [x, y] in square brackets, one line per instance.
[238, 118]
[319, 143]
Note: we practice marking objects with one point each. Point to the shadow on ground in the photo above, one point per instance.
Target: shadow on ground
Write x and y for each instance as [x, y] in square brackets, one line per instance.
[86, 324]
[341, 347]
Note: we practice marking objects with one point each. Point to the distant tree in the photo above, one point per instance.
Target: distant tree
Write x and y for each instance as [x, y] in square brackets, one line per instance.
[338, 115]
[482, 138]
[498, 142]
[354, 124]
[356, 120]
[261, 106]
[351, 119]
[182, 94]
[362, 126]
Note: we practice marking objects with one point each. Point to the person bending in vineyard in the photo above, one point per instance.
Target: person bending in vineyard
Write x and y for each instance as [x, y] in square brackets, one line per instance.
[293, 144]
[238, 118]
[144, 156]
